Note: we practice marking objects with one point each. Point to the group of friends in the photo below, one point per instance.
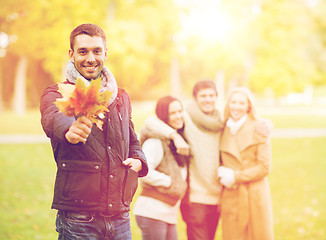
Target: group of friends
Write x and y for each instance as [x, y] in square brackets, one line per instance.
[211, 167]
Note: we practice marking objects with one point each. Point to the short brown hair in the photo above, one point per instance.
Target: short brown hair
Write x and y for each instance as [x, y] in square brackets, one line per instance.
[88, 29]
[202, 84]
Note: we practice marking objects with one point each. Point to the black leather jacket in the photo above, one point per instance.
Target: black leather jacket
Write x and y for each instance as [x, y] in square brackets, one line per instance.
[91, 176]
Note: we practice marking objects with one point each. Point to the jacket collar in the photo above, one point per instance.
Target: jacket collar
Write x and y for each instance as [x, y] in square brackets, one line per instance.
[245, 137]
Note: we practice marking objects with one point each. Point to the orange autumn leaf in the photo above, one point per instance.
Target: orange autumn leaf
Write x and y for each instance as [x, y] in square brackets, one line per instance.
[81, 100]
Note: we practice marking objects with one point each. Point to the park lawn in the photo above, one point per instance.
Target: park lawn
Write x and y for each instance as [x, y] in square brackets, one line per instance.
[297, 184]
[297, 121]
[28, 171]
[30, 123]
[27, 174]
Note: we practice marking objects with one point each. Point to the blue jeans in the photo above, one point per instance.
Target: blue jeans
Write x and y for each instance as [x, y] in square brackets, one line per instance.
[156, 230]
[86, 226]
[201, 220]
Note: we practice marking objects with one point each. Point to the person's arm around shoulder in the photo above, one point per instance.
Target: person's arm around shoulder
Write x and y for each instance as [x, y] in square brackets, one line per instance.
[180, 144]
[208, 122]
[264, 127]
[156, 125]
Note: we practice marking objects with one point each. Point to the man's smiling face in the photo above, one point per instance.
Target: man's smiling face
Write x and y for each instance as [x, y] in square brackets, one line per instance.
[206, 99]
[88, 55]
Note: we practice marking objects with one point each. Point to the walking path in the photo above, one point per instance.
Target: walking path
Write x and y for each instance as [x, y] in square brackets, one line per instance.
[298, 132]
[276, 133]
[23, 138]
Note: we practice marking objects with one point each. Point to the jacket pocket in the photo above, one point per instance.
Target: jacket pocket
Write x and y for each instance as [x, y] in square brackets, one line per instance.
[79, 182]
[130, 184]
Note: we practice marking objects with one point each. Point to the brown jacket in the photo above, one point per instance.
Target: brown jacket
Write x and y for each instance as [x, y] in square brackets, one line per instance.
[246, 207]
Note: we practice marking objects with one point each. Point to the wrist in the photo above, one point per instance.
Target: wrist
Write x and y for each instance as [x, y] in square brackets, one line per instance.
[173, 135]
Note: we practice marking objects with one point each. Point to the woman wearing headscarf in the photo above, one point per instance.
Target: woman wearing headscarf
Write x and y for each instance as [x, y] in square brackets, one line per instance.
[157, 207]
[246, 210]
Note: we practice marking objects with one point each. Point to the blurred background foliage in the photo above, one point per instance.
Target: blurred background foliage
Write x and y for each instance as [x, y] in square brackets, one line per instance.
[163, 47]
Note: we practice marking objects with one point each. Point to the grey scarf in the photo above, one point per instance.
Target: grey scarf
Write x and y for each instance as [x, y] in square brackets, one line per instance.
[208, 122]
[108, 81]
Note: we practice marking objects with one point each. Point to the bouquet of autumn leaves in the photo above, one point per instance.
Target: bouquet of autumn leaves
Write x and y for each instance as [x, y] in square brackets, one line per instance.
[81, 100]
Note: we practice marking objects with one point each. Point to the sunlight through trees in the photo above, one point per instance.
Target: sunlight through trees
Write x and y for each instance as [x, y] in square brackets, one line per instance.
[276, 46]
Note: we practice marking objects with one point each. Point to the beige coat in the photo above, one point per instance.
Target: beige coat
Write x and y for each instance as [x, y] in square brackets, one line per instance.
[247, 208]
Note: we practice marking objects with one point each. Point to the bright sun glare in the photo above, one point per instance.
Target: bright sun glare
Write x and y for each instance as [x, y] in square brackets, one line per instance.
[208, 23]
[211, 21]
[207, 20]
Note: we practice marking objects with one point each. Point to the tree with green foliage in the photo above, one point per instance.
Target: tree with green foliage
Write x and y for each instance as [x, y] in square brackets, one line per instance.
[285, 56]
[141, 45]
[139, 36]
[270, 44]
[41, 32]
[277, 44]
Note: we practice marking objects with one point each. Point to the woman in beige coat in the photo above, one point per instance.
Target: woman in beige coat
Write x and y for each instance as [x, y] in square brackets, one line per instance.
[246, 161]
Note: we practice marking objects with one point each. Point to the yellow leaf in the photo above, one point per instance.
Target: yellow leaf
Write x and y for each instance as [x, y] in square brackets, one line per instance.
[66, 90]
[87, 101]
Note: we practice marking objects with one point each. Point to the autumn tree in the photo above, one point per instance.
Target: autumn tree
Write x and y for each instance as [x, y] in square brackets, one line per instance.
[260, 44]
[141, 45]
[285, 55]
[278, 44]
[40, 30]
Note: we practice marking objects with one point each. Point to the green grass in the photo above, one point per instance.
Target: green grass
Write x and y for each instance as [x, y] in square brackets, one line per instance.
[298, 188]
[297, 121]
[297, 184]
[30, 122]
[27, 175]
[297, 181]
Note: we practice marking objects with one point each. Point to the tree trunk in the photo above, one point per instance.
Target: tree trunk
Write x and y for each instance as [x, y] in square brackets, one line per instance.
[19, 101]
[1, 88]
[175, 78]
[220, 85]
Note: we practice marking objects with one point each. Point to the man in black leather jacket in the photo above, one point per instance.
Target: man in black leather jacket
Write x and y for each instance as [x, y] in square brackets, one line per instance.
[97, 170]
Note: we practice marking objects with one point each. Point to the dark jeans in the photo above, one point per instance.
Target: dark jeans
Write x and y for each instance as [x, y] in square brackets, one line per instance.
[156, 230]
[86, 226]
[201, 220]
